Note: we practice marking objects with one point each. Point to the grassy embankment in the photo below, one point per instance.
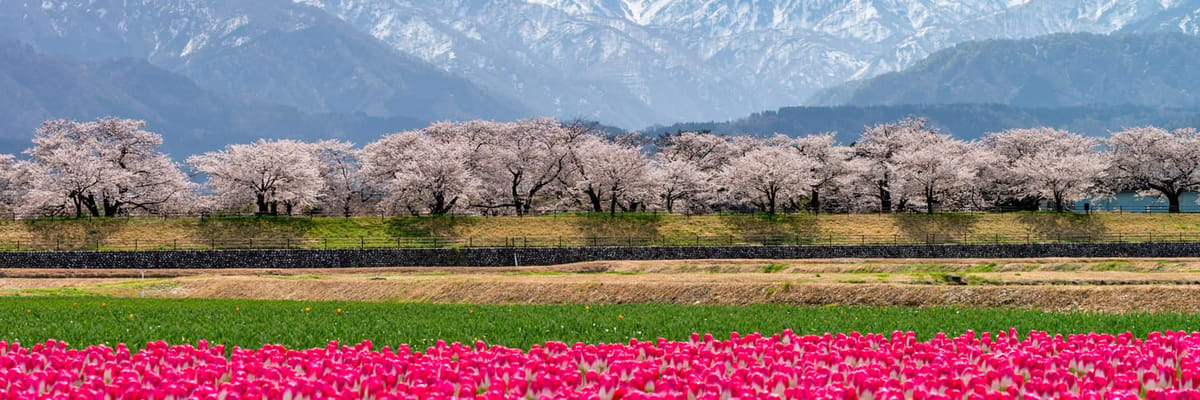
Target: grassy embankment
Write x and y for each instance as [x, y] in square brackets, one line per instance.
[546, 230]
[83, 321]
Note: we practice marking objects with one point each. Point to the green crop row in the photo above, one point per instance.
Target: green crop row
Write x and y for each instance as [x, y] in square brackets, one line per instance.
[83, 321]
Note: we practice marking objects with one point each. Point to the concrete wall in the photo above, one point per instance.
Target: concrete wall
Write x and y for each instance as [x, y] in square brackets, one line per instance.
[549, 256]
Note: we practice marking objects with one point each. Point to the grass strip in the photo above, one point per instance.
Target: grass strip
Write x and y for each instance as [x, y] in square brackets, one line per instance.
[83, 321]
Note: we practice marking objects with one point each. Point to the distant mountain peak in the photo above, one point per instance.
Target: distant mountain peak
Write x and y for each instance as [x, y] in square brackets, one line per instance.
[628, 62]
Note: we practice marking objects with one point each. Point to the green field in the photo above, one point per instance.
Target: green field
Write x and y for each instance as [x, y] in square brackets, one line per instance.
[588, 229]
[83, 321]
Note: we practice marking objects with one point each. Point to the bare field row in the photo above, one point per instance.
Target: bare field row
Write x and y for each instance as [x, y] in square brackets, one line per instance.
[1047, 284]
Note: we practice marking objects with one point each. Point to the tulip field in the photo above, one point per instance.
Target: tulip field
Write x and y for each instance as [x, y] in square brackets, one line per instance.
[96, 348]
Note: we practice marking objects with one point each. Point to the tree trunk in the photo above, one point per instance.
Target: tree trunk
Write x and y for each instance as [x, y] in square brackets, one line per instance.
[815, 201]
[111, 209]
[89, 202]
[78, 206]
[441, 206]
[1058, 202]
[520, 208]
[1172, 201]
[929, 199]
[885, 200]
[439, 202]
[260, 199]
[612, 203]
[771, 202]
[595, 199]
[670, 202]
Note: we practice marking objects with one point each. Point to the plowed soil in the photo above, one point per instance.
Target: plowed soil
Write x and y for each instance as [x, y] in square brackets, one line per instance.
[1168, 285]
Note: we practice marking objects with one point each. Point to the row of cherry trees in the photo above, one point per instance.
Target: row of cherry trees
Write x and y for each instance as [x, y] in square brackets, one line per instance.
[113, 167]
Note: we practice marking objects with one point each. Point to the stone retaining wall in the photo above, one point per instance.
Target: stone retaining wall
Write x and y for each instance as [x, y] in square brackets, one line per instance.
[549, 256]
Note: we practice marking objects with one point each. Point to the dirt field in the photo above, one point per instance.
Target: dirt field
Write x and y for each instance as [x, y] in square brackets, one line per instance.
[1168, 285]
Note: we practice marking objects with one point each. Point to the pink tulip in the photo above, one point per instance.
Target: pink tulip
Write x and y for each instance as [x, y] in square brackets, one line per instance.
[1164, 365]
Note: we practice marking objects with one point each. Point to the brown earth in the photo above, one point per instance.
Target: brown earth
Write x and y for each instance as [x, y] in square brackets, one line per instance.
[1128, 285]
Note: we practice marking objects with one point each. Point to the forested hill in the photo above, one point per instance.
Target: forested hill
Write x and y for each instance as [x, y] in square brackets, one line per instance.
[37, 87]
[965, 121]
[1048, 71]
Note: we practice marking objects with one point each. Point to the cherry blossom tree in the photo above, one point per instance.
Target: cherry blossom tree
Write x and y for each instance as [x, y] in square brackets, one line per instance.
[1154, 161]
[766, 175]
[687, 164]
[14, 182]
[518, 161]
[613, 173]
[874, 157]
[266, 173]
[420, 173]
[678, 181]
[106, 167]
[343, 186]
[1047, 163]
[831, 164]
[931, 167]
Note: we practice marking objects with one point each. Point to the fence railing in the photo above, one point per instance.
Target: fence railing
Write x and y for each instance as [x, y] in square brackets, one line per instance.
[582, 241]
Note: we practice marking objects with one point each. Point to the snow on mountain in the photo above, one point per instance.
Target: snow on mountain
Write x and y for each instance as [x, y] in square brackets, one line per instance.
[637, 62]
[626, 62]
[275, 51]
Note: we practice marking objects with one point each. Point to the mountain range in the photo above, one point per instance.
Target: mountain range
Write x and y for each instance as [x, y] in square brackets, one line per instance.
[1061, 70]
[272, 51]
[630, 63]
[634, 62]
[39, 87]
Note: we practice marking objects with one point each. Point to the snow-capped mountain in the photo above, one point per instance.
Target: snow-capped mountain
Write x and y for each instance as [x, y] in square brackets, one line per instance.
[273, 51]
[649, 61]
[626, 62]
